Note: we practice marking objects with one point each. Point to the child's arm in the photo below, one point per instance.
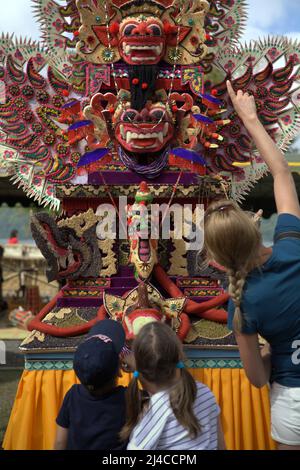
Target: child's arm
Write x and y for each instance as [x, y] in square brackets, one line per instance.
[221, 440]
[61, 438]
[284, 187]
[63, 423]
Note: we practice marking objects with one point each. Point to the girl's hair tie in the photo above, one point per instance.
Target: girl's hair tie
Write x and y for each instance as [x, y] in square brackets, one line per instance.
[180, 365]
[136, 374]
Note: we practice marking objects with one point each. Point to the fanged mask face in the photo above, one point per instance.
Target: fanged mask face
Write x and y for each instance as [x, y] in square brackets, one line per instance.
[141, 41]
[149, 130]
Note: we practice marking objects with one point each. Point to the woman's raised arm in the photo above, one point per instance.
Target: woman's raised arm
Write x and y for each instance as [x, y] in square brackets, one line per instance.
[284, 187]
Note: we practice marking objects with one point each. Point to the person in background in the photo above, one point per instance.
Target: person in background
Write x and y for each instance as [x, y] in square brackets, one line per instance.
[181, 414]
[13, 238]
[264, 283]
[3, 303]
[93, 413]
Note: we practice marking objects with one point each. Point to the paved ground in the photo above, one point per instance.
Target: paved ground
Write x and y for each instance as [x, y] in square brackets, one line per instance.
[9, 380]
[9, 375]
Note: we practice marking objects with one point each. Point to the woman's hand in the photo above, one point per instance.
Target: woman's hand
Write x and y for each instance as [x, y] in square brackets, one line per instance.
[243, 103]
[284, 187]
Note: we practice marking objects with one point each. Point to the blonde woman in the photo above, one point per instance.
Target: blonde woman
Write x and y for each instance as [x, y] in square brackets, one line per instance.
[264, 283]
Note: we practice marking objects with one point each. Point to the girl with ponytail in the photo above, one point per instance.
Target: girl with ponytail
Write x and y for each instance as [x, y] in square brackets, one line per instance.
[180, 413]
[264, 283]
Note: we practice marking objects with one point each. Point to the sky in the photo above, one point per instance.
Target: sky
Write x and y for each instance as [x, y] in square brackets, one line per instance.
[280, 17]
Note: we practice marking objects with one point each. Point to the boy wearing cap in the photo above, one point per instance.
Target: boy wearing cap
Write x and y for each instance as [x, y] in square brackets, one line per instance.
[93, 413]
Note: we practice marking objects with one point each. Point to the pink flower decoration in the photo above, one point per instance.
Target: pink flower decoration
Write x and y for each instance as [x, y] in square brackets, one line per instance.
[229, 21]
[230, 65]
[18, 55]
[59, 43]
[58, 25]
[24, 169]
[36, 181]
[286, 119]
[273, 52]
[48, 9]
[67, 69]
[49, 191]
[38, 59]
[295, 58]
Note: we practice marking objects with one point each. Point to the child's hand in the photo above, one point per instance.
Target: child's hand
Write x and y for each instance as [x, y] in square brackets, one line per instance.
[128, 363]
[243, 103]
[265, 350]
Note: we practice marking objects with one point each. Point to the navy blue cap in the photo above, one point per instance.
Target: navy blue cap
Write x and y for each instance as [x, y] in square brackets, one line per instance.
[96, 360]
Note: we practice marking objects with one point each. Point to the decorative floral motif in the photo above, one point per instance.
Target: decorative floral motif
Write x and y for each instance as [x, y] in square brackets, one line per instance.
[8, 154]
[59, 43]
[39, 59]
[229, 66]
[14, 90]
[58, 101]
[37, 128]
[108, 55]
[295, 58]
[18, 55]
[287, 119]
[273, 53]
[27, 115]
[28, 91]
[229, 21]
[58, 25]
[19, 103]
[49, 138]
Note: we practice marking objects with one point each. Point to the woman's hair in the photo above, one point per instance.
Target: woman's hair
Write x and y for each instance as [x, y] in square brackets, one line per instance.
[157, 352]
[232, 239]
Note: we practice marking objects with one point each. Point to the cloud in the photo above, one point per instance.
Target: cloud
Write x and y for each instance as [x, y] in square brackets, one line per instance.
[272, 17]
[263, 14]
[17, 17]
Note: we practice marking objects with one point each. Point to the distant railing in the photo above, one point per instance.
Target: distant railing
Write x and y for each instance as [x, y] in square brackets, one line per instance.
[22, 251]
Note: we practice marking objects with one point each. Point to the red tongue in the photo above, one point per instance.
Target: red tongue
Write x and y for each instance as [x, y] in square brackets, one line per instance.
[144, 250]
[144, 142]
[143, 53]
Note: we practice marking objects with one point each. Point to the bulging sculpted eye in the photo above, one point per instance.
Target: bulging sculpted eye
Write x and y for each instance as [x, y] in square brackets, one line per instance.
[156, 31]
[129, 115]
[157, 114]
[128, 29]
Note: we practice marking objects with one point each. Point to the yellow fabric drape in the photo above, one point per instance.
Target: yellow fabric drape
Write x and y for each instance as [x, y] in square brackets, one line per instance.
[245, 409]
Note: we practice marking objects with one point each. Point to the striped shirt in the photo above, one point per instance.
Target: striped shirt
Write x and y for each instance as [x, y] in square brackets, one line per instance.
[159, 428]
